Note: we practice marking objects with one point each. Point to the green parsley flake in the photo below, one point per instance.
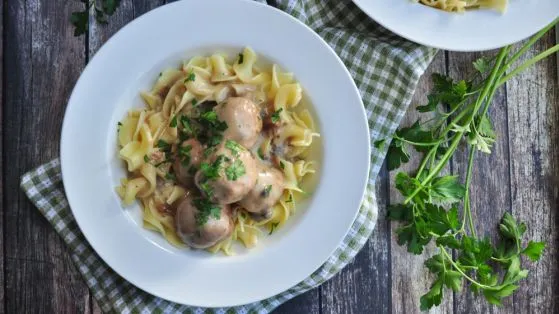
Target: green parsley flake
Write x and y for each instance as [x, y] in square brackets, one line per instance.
[170, 177]
[234, 147]
[173, 123]
[206, 188]
[241, 58]
[235, 170]
[194, 102]
[191, 77]
[276, 115]
[282, 165]
[163, 145]
[146, 158]
[184, 154]
[206, 210]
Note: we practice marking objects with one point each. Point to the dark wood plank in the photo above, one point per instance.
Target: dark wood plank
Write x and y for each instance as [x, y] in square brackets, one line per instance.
[43, 62]
[410, 279]
[364, 285]
[533, 113]
[2, 207]
[490, 190]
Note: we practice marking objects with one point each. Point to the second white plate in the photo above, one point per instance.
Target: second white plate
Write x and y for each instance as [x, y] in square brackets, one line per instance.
[474, 30]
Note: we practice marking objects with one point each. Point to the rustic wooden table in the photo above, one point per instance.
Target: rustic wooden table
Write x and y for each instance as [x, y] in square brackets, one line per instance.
[41, 62]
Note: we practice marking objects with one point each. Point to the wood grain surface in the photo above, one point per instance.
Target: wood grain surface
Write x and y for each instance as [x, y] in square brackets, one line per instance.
[41, 61]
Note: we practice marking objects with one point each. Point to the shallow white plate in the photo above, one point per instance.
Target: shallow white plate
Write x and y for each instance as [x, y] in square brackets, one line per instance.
[129, 62]
[474, 30]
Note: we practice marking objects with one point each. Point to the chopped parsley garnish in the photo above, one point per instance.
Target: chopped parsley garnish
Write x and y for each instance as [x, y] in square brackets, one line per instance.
[209, 116]
[211, 171]
[234, 147]
[118, 127]
[206, 188]
[235, 170]
[170, 177]
[194, 102]
[215, 140]
[146, 158]
[241, 58]
[276, 115]
[273, 228]
[260, 153]
[184, 154]
[206, 209]
[160, 73]
[188, 129]
[163, 145]
[209, 151]
[282, 165]
[173, 123]
[191, 77]
[266, 191]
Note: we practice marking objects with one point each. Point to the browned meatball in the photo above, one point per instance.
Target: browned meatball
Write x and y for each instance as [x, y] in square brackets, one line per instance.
[188, 157]
[228, 174]
[243, 120]
[201, 224]
[265, 194]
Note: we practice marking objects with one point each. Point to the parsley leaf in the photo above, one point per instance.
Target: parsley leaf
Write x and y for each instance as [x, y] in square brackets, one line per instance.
[234, 147]
[241, 58]
[276, 115]
[235, 170]
[191, 77]
[173, 123]
[80, 20]
[206, 210]
[482, 65]
[146, 158]
[534, 250]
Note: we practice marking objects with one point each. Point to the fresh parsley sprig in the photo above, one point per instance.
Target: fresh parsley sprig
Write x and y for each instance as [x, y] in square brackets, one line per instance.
[430, 211]
[102, 8]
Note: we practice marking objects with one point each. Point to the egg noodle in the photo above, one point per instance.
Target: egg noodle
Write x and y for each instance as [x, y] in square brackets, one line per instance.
[148, 137]
[463, 5]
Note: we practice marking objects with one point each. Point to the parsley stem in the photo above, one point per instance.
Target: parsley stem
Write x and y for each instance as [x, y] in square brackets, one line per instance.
[439, 166]
[417, 143]
[425, 160]
[458, 269]
[490, 82]
[529, 63]
[467, 208]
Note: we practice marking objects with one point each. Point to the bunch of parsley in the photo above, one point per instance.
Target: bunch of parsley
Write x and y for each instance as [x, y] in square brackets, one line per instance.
[437, 207]
[103, 9]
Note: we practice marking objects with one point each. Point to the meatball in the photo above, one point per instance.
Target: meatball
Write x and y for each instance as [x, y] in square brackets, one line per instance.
[201, 224]
[243, 120]
[265, 194]
[228, 174]
[187, 160]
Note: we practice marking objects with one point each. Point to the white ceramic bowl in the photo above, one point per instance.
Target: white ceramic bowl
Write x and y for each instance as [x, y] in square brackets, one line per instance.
[109, 86]
[474, 30]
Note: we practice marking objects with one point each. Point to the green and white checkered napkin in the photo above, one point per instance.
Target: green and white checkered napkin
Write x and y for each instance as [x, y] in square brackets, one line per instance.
[385, 68]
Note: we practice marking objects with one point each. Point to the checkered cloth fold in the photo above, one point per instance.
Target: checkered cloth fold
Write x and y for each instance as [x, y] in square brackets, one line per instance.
[385, 68]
